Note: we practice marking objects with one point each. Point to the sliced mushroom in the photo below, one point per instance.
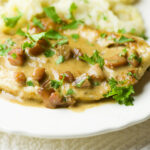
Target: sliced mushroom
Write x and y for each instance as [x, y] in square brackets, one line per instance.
[20, 78]
[64, 50]
[39, 47]
[16, 57]
[38, 74]
[115, 61]
[96, 73]
[68, 77]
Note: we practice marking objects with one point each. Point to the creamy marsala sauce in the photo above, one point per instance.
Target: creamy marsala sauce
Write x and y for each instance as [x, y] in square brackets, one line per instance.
[62, 67]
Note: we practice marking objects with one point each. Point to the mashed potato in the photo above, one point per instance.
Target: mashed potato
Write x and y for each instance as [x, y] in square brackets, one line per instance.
[101, 14]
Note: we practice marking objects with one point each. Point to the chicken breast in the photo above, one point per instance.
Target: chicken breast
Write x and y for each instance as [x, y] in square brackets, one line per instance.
[70, 65]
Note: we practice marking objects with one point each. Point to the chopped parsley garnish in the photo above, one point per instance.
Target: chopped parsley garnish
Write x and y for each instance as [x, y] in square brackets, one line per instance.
[72, 8]
[134, 56]
[13, 55]
[51, 13]
[121, 94]
[103, 35]
[27, 44]
[60, 60]
[37, 23]
[123, 39]
[10, 42]
[132, 74]
[4, 49]
[80, 83]
[95, 58]
[73, 25]
[49, 53]
[11, 21]
[124, 52]
[70, 92]
[54, 35]
[75, 37]
[21, 32]
[122, 31]
[30, 83]
[56, 84]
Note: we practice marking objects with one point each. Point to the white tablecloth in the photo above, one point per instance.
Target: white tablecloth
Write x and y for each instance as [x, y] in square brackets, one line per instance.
[133, 138]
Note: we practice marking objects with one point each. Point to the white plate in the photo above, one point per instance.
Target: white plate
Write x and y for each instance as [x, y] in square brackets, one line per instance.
[64, 123]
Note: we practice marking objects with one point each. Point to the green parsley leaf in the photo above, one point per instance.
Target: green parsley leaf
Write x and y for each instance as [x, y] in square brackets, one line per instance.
[122, 95]
[122, 31]
[54, 35]
[13, 55]
[132, 74]
[124, 39]
[124, 52]
[72, 8]
[20, 32]
[51, 13]
[73, 25]
[60, 60]
[38, 36]
[80, 83]
[9, 42]
[27, 45]
[134, 56]
[75, 37]
[49, 53]
[4, 49]
[11, 21]
[55, 84]
[37, 23]
[103, 35]
[30, 83]
[70, 92]
[95, 58]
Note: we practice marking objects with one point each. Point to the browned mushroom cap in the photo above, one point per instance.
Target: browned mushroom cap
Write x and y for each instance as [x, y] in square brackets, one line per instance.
[39, 47]
[38, 73]
[45, 93]
[133, 58]
[68, 76]
[16, 57]
[115, 61]
[65, 50]
[20, 78]
[76, 53]
[96, 73]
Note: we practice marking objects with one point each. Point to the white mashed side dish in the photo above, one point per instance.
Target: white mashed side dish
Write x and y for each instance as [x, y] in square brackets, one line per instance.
[109, 15]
